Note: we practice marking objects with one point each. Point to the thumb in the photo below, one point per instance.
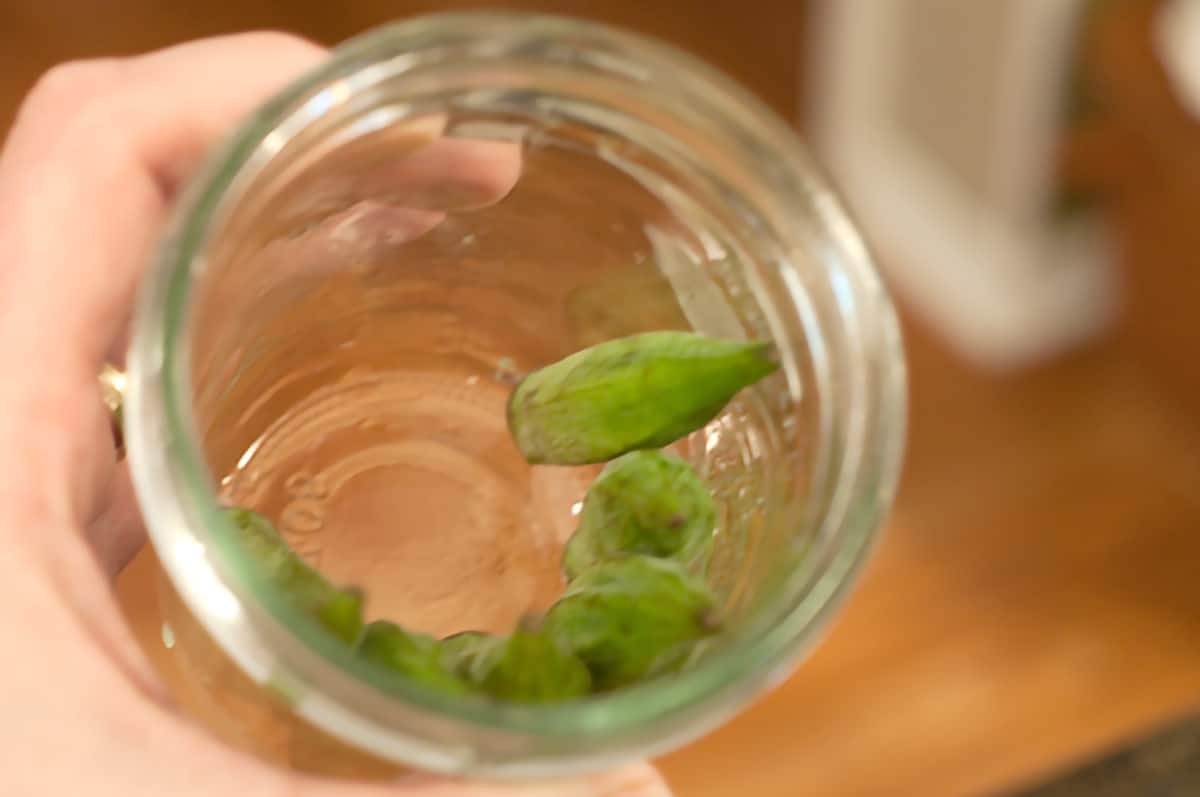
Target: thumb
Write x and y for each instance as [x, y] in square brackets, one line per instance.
[638, 780]
[210, 768]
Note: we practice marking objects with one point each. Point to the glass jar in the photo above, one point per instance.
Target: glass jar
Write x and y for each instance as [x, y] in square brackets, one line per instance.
[346, 294]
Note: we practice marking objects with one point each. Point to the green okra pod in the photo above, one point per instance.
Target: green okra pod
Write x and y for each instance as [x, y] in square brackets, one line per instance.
[645, 502]
[640, 392]
[416, 656]
[632, 618]
[528, 666]
[339, 610]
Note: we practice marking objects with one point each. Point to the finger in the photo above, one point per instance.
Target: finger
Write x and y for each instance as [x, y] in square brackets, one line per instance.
[98, 151]
[184, 755]
[351, 212]
[410, 163]
[128, 745]
[639, 780]
[448, 174]
[84, 182]
[129, 131]
[84, 179]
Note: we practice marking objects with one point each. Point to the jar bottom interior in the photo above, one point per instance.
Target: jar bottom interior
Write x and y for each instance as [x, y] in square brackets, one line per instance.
[357, 396]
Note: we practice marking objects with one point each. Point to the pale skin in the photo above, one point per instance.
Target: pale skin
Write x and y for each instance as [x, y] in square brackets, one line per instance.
[86, 176]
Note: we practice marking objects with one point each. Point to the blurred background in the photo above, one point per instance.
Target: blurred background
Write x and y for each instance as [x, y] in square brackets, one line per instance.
[1028, 172]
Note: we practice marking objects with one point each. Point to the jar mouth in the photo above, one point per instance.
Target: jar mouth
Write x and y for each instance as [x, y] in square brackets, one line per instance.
[277, 646]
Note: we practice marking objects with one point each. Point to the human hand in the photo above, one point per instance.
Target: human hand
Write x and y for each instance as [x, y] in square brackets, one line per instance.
[86, 177]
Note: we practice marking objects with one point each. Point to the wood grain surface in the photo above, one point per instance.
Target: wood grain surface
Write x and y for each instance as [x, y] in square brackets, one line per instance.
[1034, 600]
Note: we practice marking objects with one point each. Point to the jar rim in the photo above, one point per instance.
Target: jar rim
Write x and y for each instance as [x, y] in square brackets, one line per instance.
[248, 622]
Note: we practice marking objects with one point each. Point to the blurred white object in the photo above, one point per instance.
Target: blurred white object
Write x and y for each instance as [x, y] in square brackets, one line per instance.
[940, 121]
[1177, 34]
